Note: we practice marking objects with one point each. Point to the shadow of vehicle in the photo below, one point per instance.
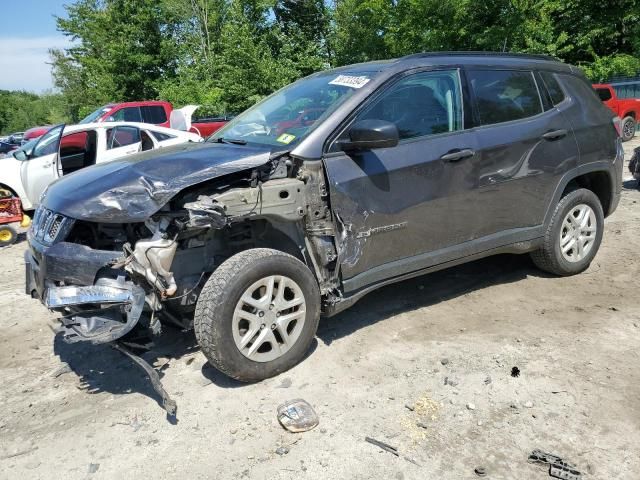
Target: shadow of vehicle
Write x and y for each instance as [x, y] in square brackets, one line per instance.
[101, 368]
[427, 290]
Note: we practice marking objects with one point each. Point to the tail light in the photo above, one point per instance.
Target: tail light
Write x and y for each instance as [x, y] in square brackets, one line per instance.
[617, 123]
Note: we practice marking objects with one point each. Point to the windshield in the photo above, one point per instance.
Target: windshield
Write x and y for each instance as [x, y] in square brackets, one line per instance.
[288, 115]
[92, 117]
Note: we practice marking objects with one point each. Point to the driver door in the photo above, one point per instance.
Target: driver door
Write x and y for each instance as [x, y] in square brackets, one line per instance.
[402, 208]
[39, 169]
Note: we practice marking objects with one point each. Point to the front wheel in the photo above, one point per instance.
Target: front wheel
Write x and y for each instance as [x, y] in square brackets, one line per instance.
[628, 128]
[573, 236]
[257, 314]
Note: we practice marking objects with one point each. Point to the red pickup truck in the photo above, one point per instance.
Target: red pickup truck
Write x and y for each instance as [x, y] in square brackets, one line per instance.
[628, 109]
[151, 111]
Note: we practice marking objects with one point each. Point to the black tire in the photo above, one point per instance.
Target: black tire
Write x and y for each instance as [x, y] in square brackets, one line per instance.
[218, 300]
[549, 258]
[8, 235]
[628, 126]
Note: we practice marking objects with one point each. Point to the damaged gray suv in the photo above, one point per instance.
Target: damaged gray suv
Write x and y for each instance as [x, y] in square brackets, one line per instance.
[340, 183]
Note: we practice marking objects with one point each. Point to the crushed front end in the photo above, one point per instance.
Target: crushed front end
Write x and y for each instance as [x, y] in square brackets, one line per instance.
[96, 298]
[81, 271]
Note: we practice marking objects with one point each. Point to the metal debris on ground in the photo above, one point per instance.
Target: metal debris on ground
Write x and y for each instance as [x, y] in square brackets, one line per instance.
[558, 467]
[167, 403]
[64, 368]
[480, 471]
[282, 451]
[297, 416]
[384, 446]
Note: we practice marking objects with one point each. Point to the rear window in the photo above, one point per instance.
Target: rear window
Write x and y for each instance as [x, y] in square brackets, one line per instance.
[604, 94]
[504, 95]
[154, 114]
[553, 87]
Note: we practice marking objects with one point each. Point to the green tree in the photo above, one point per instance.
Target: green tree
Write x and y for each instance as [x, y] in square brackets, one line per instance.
[122, 50]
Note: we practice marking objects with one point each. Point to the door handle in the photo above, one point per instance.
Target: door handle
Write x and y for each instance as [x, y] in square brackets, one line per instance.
[47, 165]
[457, 155]
[555, 134]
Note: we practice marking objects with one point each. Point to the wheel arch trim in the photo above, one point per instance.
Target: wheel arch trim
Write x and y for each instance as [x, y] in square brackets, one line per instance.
[600, 166]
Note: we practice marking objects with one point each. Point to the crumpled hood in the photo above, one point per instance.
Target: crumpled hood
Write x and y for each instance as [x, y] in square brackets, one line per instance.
[133, 188]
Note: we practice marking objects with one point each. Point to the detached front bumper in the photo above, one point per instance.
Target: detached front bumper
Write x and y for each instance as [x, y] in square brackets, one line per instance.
[115, 302]
[99, 312]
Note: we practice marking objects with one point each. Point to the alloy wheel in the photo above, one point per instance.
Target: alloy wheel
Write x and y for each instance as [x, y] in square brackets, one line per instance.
[578, 233]
[269, 318]
[628, 129]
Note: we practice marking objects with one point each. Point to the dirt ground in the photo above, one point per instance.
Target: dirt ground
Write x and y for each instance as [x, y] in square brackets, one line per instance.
[443, 345]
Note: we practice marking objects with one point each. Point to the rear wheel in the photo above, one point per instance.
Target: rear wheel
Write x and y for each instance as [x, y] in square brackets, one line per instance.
[8, 235]
[573, 236]
[628, 128]
[257, 314]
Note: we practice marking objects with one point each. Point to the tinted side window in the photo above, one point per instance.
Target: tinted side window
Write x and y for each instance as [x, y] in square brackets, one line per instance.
[48, 143]
[420, 104]
[154, 114]
[504, 95]
[604, 94]
[128, 114]
[161, 137]
[553, 87]
[122, 136]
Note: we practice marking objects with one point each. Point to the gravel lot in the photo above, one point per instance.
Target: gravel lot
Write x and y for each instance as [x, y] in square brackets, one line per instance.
[443, 344]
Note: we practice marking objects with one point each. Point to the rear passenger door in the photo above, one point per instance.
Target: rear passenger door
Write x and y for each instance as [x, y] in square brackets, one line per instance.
[525, 144]
[121, 141]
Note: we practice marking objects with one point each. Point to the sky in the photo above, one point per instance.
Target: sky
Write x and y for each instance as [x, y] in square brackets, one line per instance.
[27, 32]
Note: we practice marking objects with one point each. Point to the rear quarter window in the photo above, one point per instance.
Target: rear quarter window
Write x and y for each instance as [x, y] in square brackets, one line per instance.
[161, 137]
[553, 87]
[604, 94]
[504, 95]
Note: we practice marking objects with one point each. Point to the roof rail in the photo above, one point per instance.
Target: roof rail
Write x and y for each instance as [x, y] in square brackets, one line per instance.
[532, 56]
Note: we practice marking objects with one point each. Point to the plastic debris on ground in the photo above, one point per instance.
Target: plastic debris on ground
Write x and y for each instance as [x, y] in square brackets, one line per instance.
[297, 416]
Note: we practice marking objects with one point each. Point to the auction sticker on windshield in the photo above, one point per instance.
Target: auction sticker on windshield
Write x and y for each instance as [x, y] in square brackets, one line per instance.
[285, 138]
[350, 81]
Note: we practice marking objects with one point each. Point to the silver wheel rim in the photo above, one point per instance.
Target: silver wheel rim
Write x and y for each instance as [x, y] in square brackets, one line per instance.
[578, 233]
[268, 318]
[628, 129]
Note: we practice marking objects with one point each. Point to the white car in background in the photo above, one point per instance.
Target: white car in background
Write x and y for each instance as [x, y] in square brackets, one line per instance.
[65, 149]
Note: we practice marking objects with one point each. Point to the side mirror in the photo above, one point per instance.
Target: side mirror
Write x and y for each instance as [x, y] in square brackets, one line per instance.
[19, 155]
[370, 134]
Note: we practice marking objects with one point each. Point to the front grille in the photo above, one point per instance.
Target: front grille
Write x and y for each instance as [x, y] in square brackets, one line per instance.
[49, 227]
